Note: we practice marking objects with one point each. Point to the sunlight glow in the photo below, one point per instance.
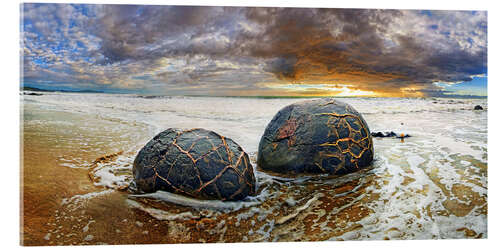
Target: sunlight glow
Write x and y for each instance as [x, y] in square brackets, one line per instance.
[323, 90]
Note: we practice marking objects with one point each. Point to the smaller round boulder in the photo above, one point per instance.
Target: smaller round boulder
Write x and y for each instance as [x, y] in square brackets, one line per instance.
[197, 162]
[318, 136]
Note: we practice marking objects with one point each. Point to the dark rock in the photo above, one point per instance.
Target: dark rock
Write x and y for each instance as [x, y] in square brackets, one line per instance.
[389, 134]
[35, 94]
[318, 136]
[385, 134]
[197, 163]
[478, 107]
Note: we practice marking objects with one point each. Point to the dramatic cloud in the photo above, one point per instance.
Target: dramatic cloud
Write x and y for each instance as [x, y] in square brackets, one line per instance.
[252, 51]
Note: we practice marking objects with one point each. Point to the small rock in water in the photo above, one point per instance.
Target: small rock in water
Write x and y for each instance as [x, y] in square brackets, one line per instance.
[47, 236]
[478, 107]
[89, 237]
[390, 134]
[382, 134]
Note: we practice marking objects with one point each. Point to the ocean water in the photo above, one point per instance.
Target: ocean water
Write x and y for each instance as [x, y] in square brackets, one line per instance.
[432, 185]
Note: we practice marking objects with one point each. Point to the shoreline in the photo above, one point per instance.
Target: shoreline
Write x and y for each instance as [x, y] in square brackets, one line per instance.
[412, 185]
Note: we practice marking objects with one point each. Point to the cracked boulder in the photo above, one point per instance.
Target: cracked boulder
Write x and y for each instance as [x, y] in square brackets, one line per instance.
[197, 163]
[314, 137]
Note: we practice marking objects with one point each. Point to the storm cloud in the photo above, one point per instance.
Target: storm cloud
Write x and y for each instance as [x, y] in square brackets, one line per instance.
[251, 51]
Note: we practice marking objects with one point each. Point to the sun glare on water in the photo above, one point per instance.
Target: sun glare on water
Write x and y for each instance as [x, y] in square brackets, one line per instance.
[355, 92]
[323, 90]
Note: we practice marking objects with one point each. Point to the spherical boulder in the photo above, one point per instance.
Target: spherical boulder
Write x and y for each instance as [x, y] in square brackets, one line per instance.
[318, 136]
[197, 163]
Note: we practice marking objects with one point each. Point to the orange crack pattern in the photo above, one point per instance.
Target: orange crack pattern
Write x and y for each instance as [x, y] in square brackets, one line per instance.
[317, 136]
[337, 122]
[239, 164]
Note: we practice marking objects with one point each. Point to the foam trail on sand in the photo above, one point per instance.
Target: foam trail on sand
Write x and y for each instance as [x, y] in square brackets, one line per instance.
[79, 200]
[161, 214]
[199, 204]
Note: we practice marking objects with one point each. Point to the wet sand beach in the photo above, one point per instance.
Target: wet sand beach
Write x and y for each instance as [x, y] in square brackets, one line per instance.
[78, 150]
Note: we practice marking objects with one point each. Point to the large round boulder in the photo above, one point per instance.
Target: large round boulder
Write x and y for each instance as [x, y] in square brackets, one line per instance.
[318, 136]
[197, 163]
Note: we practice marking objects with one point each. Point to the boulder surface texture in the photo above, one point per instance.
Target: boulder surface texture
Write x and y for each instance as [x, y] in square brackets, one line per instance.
[197, 163]
[318, 136]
